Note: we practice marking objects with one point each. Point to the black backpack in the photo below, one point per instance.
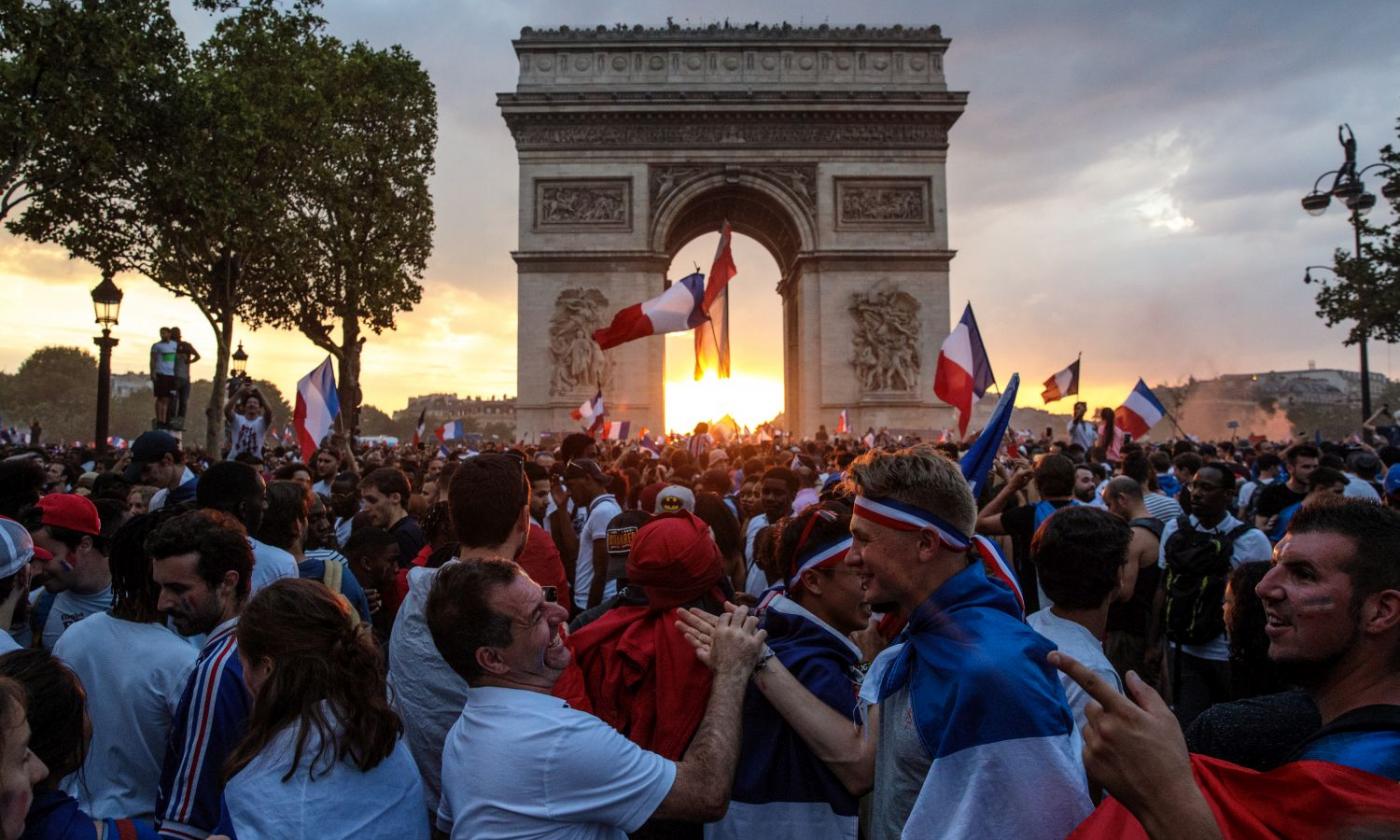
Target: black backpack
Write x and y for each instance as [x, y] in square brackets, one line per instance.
[1197, 565]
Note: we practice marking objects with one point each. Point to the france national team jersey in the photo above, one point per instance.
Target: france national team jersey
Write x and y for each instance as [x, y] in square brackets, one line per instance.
[211, 719]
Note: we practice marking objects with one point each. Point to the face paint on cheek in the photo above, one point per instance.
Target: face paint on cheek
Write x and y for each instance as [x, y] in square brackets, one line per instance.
[1317, 604]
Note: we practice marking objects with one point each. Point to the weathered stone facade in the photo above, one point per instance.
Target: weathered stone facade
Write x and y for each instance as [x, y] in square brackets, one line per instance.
[826, 145]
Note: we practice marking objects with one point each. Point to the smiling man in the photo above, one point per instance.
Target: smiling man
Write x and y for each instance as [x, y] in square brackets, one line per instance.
[1332, 602]
[973, 734]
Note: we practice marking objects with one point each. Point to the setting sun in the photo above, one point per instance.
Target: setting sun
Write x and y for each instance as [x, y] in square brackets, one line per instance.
[754, 394]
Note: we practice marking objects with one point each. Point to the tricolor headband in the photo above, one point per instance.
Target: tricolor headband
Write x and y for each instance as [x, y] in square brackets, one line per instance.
[819, 556]
[903, 517]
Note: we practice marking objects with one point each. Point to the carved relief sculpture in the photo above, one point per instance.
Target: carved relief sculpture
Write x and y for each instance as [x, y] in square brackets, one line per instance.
[889, 203]
[578, 362]
[885, 340]
[592, 204]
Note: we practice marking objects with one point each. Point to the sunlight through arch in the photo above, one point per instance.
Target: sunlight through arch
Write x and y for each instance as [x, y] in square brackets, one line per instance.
[754, 394]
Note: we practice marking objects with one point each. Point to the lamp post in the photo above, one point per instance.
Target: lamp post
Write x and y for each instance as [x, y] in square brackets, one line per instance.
[237, 370]
[1347, 185]
[106, 305]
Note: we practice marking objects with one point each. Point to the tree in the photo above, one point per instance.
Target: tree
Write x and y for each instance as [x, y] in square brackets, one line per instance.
[76, 84]
[57, 386]
[373, 421]
[360, 211]
[208, 202]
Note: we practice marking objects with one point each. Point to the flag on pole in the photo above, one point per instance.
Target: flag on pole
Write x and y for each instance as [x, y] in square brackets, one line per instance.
[843, 423]
[963, 373]
[590, 414]
[712, 339]
[451, 430]
[1062, 384]
[421, 427]
[679, 308]
[977, 463]
[1140, 411]
[616, 429]
[317, 407]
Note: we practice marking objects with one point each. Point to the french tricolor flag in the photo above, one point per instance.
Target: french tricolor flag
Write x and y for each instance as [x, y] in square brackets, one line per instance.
[963, 373]
[843, 423]
[1140, 411]
[317, 406]
[616, 429]
[590, 414]
[677, 309]
[451, 430]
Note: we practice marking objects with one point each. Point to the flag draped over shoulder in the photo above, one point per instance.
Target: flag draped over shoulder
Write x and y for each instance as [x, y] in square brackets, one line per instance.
[712, 339]
[1140, 411]
[679, 308]
[1062, 384]
[963, 373]
[317, 406]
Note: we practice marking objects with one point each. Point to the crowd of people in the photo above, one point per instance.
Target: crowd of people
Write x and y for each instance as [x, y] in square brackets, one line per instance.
[700, 637]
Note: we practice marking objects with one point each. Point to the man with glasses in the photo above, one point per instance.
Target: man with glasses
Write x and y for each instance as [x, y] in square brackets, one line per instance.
[1200, 672]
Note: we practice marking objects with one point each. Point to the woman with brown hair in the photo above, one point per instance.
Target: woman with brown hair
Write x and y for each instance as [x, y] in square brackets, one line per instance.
[20, 768]
[324, 755]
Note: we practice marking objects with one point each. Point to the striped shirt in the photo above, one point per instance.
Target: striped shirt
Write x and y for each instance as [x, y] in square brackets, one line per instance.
[211, 719]
[1162, 507]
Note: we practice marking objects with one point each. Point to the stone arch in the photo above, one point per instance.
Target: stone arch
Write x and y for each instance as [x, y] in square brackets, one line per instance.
[827, 145]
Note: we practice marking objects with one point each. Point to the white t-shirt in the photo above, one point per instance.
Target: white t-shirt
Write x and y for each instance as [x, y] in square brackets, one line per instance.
[427, 693]
[248, 435]
[163, 357]
[600, 512]
[270, 563]
[1252, 545]
[520, 764]
[69, 608]
[8, 643]
[342, 802]
[1359, 488]
[1075, 640]
[134, 674]
[756, 582]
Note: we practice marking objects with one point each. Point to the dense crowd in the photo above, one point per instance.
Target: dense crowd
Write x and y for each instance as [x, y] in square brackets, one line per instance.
[700, 636]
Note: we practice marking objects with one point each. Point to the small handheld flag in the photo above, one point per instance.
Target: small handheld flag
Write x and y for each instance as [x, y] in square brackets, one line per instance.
[616, 429]
[843, 423]
[1062, 384]
[590, 414]
[419, 429]
[963, 372]
[977, 463]
[451, 430]
[1140, 411]
[317, 406]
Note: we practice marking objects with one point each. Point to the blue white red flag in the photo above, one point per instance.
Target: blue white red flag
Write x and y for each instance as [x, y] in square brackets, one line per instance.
[677, 309]
[451, 430]
[421, 427]
[616, 429]
[591, 413]
[1140, 411]
[843, 423]
[712, 339]
[963, 373]
[317, 406]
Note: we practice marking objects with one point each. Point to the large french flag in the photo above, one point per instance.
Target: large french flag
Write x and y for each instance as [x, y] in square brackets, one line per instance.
[712, 340]
[963, 373]
[317, 406]
[1140, 411]
[677, 309]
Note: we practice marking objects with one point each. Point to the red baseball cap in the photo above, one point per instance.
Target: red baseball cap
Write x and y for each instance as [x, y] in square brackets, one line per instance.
[66, 510]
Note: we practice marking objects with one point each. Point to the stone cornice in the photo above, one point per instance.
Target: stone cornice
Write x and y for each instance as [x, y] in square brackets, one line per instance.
[652, 100]
[553, 262]
[726, 32]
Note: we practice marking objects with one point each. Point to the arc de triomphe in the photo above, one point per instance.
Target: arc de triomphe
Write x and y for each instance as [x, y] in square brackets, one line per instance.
[826, 145]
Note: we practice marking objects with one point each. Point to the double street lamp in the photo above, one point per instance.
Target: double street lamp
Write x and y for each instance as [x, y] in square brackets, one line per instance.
[1349, 187]
[106, 305]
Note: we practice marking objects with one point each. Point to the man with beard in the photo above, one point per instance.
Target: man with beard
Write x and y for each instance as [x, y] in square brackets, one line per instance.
[203, 563]
[1332, 602]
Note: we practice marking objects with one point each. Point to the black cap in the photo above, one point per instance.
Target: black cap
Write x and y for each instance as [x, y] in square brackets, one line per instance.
[585, 468]
[148, 448]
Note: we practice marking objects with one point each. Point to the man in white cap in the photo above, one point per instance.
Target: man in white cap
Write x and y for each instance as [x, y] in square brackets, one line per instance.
[16, 550]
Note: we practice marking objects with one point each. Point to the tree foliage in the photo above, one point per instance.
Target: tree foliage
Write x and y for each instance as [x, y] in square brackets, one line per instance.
[360, 213]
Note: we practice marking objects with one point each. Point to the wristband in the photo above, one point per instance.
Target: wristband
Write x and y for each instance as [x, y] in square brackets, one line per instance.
[762, 663]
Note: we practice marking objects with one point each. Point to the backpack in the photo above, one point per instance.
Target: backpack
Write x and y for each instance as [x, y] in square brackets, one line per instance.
[1197, 565]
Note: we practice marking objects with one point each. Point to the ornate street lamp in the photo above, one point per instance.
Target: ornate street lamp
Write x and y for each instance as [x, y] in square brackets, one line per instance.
[1348, 186]
[106, 306]
[239, 367]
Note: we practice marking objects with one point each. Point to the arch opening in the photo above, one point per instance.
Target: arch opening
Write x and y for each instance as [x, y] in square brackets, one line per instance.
[754, 392]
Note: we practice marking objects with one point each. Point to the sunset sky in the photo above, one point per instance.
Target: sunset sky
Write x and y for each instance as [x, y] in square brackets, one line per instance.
[1123, 183]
